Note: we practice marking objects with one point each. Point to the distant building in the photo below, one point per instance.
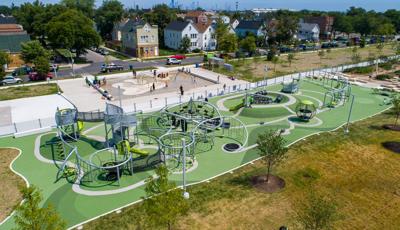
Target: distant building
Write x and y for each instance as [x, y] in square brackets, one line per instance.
[308, 31]
[234, 23]
[245, 28]
[201, 35]
[197, 16]
[140, 39]
[11, 34]
[325, 24]
[258, 11]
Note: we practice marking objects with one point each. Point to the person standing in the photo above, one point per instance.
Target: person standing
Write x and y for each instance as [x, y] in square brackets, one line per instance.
[181, 89]
[154, 86]
[218, 79]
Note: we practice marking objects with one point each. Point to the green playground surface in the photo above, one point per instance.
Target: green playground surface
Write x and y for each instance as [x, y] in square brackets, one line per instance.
[75, 207]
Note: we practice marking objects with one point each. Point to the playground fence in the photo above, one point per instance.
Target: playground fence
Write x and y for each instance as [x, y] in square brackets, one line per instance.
[42, 124]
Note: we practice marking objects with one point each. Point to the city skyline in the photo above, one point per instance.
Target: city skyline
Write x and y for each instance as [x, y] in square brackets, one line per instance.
[338, 5]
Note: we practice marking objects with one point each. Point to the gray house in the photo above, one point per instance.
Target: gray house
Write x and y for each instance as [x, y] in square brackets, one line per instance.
[308, 31]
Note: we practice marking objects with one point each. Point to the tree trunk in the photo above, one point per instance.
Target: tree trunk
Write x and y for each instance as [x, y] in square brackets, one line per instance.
[169, 226]
[397, 119]
[268, 171]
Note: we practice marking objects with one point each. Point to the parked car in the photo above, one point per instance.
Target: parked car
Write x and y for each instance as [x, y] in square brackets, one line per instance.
[102, 51]
[173, 61]
[106, 68]
[178, 56]
[54, 67]
[10, 80]
[34, 76]
[23, 70]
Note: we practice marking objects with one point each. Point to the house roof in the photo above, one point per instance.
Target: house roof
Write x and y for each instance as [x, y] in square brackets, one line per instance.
[251, 25]
[307, 26]
[12, 41]
[132, 24]
[195, 13]
[202, 27]
[177, 25]
[6, 28]
[121, 24]
[7, 19]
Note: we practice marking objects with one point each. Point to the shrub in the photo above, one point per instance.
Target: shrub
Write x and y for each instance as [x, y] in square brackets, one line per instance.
[397, 72]
[383, 77]
[386, 66]
[197, 50]
[360, 70]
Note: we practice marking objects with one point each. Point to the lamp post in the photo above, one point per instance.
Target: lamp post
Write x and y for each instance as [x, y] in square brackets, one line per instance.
[265, 76]
[185, 193]
[348, 118]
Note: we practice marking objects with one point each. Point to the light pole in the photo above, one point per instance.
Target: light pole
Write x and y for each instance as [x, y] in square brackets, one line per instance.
[265, 76]
[185, 193]
[348, 118]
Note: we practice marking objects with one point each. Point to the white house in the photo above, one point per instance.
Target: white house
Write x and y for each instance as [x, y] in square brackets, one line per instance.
[201, 35]
[308, 31]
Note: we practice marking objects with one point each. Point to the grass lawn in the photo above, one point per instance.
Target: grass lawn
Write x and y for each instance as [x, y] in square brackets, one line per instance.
[354, 170]
[118, 55]
[10, 182]
[28, 91]
[166, 52]
[253, 69]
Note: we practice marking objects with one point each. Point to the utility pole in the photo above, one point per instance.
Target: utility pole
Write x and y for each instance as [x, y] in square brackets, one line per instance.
[185, 193]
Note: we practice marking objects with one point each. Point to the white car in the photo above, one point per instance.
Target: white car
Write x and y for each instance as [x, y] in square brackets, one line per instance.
[11, 80]
[173, 61]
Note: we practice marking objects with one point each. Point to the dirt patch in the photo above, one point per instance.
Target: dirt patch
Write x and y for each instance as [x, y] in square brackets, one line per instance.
[10, 183]
[393, 146]
[392, 127]
[274, 183]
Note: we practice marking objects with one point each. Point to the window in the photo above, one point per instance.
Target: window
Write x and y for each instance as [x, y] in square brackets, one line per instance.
[213, 36]
[193, 35]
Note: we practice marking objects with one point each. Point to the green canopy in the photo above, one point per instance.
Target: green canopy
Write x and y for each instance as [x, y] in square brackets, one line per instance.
[307, 102]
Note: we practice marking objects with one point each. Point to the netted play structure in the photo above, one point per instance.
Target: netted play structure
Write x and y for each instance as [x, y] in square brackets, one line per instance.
[262, 97]
[339, 91]
[291, 87]
[135, 142]
[306, 110]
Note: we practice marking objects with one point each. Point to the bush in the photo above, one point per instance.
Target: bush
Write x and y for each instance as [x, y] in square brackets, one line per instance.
[397, 72]
[360, 70]
[197, 50]
[383, 77]
[386, 66]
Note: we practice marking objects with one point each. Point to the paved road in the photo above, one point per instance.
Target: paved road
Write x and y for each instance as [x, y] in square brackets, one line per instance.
[94, 68]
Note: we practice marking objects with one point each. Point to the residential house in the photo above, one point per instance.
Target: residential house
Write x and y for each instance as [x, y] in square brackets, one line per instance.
[325, 24]
[11, 34]
[116, 34]
[201, 35]
[245, 28]
[175, 31]
[140, 39]
[308, 31]
[197, 16]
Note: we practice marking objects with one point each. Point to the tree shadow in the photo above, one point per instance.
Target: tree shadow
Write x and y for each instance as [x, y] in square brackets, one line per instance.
[393, 146]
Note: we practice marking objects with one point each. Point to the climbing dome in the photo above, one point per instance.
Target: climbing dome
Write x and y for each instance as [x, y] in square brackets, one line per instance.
[306, 110]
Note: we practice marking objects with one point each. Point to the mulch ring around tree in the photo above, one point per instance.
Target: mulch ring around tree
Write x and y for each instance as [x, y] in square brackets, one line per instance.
[393, 146]
[392, 127]
[274, 183]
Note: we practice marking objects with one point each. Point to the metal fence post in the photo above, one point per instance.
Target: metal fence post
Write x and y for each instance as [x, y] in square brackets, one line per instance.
[166, 101]
[151, 104]
[134, 107]
[180, 98]
[15, 127]
[40, 123]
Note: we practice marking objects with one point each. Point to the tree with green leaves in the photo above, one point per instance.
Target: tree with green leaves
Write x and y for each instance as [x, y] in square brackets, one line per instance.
[84, 6]
[107, 15]
[31, 50]
[29, 215]
[271, 147]
[396, 107]
[42, 65]
[316, 212]
[355, 56]
[343, 24]
[286, 29]
[248, 44]
[229, 43]
[275, 60]
[4, 61]
[185, 44]
[380, 47]
[221, 31]
[73, 31]
[27, 14]
[164, 202]
[290, 58]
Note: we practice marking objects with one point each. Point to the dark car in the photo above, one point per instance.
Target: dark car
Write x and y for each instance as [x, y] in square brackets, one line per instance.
[35, 76]
[106, 68]
[23, 70]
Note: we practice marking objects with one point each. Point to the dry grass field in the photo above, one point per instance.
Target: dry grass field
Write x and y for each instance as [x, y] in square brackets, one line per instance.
[10, 182]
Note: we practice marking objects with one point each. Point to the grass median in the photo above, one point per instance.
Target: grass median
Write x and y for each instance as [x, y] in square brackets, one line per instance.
[17, 92]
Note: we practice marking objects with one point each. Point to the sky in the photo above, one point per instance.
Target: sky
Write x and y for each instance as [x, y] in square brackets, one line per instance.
[325, 5]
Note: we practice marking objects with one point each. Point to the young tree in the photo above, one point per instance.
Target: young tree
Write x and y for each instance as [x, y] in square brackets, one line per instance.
[185, 44]
[228, 44]
[290, 58]
[84, 6]
[221, 32]
[108, 14]
[72, 30]
[355, 56]
[32, 50]
[248, 44]
[4, 61]
[41, 65]
[316, 212]
[286, 29]
[321, 55]
[271, 147]
[396, 108]
[163, 203]
[380, 47]
[275, 60]
[30, 216]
